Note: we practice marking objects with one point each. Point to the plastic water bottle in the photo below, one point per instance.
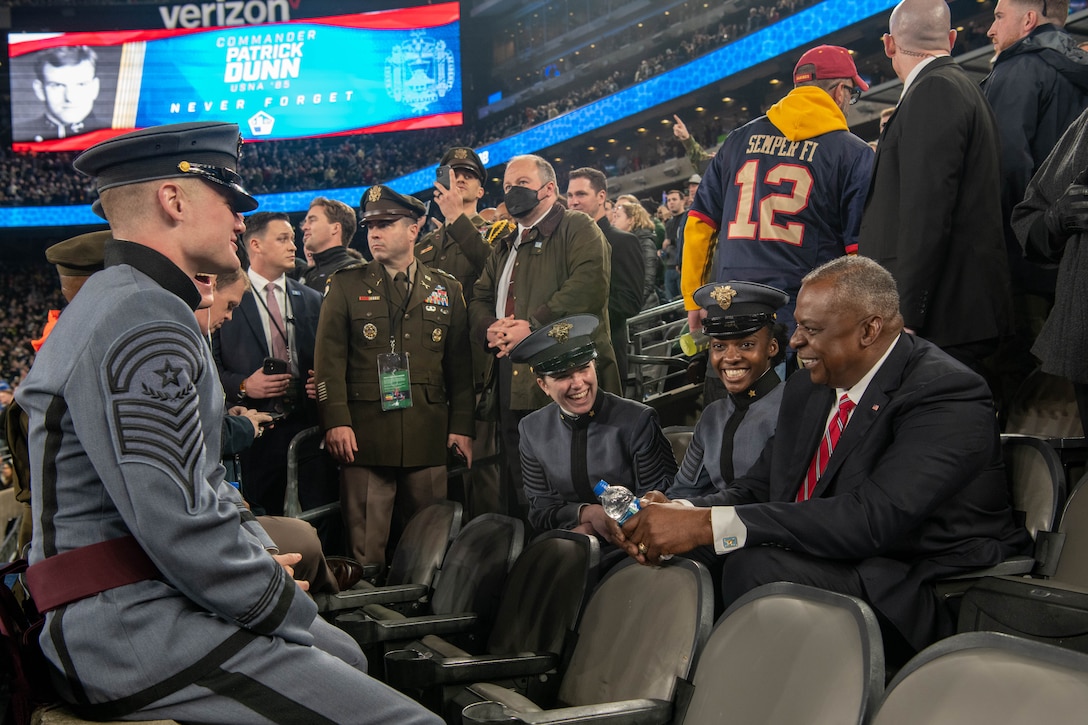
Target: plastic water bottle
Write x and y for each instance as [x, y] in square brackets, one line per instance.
[618, 502]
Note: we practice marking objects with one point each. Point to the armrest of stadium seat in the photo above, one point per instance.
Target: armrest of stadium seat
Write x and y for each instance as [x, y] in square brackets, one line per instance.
[410, 668]
[625, 712]
[358, 598]
[955, 586]
[367, 630]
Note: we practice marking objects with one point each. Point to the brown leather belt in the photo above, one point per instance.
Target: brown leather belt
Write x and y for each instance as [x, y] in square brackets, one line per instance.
[88, 570]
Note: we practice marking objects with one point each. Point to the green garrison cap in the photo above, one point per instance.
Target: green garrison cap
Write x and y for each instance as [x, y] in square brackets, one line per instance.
[380, 203]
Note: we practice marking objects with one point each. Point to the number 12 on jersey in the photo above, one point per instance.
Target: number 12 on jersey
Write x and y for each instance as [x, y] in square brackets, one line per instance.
[784, 205]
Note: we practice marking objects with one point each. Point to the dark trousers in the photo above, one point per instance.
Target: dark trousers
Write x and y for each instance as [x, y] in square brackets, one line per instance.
[512, 498]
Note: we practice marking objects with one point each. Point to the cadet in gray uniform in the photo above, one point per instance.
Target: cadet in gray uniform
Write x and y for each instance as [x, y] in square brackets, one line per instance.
[161, 597]
[584, 435]
[744, 348]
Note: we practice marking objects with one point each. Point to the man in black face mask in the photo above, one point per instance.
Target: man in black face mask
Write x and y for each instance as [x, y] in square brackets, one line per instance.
[555, 264]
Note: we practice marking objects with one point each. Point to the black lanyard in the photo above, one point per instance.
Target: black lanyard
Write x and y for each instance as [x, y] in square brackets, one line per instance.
[272, 321]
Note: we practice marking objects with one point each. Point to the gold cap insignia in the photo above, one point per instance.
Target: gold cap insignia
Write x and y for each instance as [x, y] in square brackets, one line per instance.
[370, 331]
[723, 296]
[560, 331]
[184, 167]
[374, 194]
[460, 154]
[436, 336]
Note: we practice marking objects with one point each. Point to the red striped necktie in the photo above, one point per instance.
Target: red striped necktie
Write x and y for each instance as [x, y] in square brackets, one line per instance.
[827, 445]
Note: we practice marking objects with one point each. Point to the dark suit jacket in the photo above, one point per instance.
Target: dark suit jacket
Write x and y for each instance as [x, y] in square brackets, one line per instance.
[240, 346]
[625, 287]
[933, 215]
[914, 491]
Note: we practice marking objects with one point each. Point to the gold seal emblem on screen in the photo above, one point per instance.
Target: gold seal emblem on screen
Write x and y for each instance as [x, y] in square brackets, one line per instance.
[419, 71]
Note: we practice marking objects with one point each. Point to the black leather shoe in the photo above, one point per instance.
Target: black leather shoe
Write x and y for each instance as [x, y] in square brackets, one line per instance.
[346, 571]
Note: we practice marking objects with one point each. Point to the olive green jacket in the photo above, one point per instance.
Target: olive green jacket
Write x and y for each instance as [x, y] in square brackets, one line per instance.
[563, 269]
[355, 328]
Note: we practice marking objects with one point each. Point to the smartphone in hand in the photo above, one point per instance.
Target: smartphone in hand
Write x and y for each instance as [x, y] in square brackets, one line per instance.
[274, 366]
[443, 176]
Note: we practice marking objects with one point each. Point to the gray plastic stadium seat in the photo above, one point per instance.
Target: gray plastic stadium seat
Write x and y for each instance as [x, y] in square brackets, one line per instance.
[638, 637]
[1037, 478]
[789, 654]
[680, 438]
[466, 588]
[1071, 566]
[541, 604]
[419, 553]
[1037, 484]
[1053, 611]
[982, 678]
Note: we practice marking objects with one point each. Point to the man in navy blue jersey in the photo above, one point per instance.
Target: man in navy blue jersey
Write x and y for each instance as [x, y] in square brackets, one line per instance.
[785, 192]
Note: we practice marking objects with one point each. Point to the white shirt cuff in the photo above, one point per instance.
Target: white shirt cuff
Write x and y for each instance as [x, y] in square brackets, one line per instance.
[730, 533]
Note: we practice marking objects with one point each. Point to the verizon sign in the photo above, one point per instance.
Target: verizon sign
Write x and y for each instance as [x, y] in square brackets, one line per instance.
[226, 13]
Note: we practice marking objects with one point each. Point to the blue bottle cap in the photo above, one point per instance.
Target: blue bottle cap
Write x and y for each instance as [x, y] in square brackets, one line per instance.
[600, 487]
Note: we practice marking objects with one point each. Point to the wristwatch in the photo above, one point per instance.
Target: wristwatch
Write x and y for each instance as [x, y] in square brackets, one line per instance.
[242, 389]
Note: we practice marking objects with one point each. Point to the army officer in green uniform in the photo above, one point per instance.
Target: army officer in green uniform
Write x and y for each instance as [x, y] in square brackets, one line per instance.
[393, 387]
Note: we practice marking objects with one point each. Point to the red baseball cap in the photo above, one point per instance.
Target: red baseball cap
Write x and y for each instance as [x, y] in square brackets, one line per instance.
[830, 61]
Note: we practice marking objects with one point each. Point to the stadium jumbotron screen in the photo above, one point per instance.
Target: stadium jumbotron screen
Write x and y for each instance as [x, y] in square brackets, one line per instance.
[276, 81]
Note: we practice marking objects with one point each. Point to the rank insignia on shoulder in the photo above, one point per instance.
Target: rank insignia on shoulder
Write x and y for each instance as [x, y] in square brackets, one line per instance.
[438, 296]
[428, 248]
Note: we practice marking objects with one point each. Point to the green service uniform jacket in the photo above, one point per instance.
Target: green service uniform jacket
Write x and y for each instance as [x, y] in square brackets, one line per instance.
[459, 248]
[355, 328]
[564, 267]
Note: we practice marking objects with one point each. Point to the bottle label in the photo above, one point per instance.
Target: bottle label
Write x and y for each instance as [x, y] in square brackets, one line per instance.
[631, 510]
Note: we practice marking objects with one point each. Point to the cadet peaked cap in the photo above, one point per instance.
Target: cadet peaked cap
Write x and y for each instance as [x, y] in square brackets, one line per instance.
[559, 346]
[828, 61]
[695, 179]
[380, 203]
[79, 256]
[201, 150]
[734, 309]
[462, 157]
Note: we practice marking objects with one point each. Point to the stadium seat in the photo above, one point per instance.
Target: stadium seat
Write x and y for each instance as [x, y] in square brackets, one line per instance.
[1053, 611]
[789, 654]
[541, 604]
[981, 678]
[638, 638]
[680, 438]
[418, 556]
[1037, 483]
[466, 588]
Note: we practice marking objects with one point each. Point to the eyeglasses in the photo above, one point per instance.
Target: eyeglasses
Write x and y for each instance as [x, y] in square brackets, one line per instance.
[855, 92]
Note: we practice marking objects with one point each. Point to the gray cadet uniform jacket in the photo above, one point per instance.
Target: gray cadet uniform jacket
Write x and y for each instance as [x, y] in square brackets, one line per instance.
[723, 447]
[619, 441]
[125, 412]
